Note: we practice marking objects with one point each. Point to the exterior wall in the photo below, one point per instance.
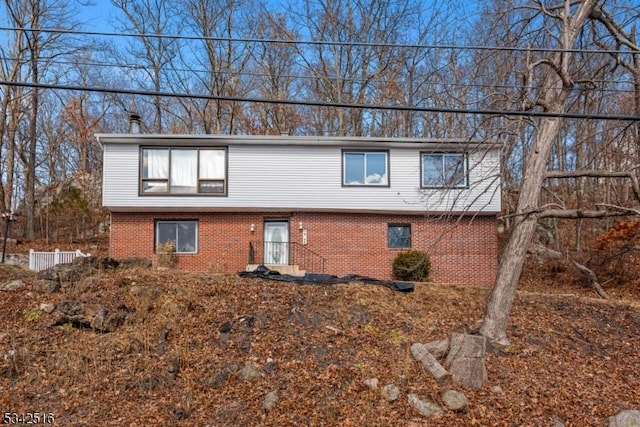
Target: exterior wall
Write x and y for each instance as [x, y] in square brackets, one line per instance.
[462, 251]
[263, 177]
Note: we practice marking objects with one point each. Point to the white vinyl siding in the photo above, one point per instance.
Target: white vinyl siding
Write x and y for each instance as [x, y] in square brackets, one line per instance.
[281, 177]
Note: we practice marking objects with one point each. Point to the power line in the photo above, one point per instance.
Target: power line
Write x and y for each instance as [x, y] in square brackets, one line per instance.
[318, 42]
[325, 104]
[138, 67]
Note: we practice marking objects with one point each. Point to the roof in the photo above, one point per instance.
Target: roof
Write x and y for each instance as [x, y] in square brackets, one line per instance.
[288, 140]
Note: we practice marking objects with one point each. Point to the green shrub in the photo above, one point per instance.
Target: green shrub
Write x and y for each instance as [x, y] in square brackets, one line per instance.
[412, 265]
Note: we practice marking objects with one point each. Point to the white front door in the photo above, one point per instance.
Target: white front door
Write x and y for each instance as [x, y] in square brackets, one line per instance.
[276, 242]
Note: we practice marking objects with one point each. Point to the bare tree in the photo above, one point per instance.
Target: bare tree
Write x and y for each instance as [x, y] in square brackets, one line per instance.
[151, 20]
[554, 76]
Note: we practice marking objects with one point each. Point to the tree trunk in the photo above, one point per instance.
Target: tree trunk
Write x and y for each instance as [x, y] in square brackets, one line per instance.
[558, 85]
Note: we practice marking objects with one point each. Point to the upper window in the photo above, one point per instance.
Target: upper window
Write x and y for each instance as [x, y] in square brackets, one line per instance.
[444, 170]
[365, 168]
[183, 171]
[399, 235]
[182, 236]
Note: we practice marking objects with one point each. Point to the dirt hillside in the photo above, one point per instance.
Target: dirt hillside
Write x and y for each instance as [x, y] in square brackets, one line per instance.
[205, 349]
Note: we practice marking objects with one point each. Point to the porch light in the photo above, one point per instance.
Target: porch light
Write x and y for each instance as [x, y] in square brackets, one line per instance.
[300, 225]
[252, 228]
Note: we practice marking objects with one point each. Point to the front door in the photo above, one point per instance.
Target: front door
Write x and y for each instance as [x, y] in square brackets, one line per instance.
[276, 242]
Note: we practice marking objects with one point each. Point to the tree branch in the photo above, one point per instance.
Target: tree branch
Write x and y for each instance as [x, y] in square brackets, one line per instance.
[579, 213]
[598, 174]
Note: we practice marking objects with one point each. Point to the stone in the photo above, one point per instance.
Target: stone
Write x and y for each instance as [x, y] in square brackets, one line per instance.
[250, 372]
[94, 316]
[372, 383]
[626, 418]
[12, 285]
[270, 400]
[466, 360]
[390, 392]
[220, 377]
[426, 408]
[438, 349]
[270, 367]
[496, 389]
[47, 307]
[48, 286]
[557, 422]
[422, 355]
[455, 401]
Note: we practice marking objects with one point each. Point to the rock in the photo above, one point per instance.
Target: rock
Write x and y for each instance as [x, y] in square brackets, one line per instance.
[47, 307]
[425, 407]
[12, 285]
[455, 401]
[438, 349]
[222, 375]
[421, 354]
[627, 418]
[372, 383]
[270, 367]
[250, 372]
[94, 316]
[390, 392]
[496, 389]
[99, 263]
[48, 286]
[21, 260]
[557, 422]
[64, 273]
[466, 360]
[270, 400]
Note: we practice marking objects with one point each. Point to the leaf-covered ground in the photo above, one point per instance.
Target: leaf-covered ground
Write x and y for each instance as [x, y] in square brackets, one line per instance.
[573, 357]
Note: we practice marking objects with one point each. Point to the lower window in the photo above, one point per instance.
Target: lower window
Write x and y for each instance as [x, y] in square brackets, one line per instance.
[182, 235]
[399, 235]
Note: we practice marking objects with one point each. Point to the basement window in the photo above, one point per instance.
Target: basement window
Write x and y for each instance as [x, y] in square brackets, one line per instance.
[399, 236]
[182, 234]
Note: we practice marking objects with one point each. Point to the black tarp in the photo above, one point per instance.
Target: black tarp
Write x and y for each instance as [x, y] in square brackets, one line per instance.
[263, 272]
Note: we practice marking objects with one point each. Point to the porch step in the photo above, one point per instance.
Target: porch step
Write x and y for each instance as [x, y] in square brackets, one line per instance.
[291, 270]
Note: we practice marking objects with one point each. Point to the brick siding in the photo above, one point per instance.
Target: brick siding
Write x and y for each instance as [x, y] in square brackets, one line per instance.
[462, 250]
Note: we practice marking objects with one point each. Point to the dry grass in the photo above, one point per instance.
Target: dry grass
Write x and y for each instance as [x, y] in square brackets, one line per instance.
[571, 358]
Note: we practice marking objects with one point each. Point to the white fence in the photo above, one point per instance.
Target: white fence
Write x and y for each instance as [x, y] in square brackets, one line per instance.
[42, 260]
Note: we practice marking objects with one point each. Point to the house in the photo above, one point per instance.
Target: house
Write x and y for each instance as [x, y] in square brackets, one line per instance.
[339, 205]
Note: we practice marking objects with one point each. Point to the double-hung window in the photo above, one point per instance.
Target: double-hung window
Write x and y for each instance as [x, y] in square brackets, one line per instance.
[365, 168]
[444, 170]
[181, 235]
[170, 170]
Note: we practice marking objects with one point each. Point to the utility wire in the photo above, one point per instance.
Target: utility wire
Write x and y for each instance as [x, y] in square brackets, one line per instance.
[325, 104]
[138, 67]
[319, 42]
